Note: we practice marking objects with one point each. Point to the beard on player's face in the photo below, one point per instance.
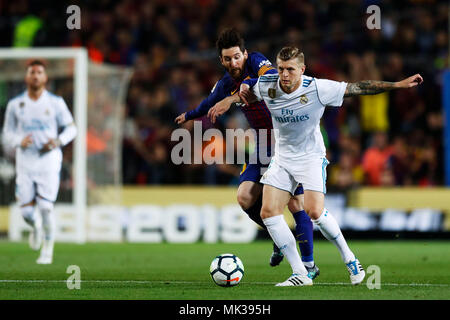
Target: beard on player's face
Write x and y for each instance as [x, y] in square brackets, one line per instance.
[236, 73]
[233, 59]
[35, 79]
[289, 84]
[36, 84]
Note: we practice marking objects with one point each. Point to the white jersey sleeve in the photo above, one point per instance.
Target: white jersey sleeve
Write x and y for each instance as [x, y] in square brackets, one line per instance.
[264, 79]
[11, 137]
[330, 93]
[64, 119]
[255, 89]
[63, 116]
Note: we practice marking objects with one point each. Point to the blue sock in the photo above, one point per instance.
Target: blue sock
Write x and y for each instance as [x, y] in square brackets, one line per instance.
[304, 235]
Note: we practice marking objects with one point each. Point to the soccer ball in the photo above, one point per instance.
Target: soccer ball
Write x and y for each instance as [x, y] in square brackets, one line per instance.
[226, 270]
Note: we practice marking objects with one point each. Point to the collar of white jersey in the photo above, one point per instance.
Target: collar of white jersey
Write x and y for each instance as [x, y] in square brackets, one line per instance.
[293, 92]
[44, 93]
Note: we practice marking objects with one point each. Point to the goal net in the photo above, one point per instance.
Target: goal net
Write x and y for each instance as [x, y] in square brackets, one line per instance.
[91, 169]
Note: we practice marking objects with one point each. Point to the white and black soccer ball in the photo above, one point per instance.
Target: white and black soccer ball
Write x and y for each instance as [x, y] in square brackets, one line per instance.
[226, 270]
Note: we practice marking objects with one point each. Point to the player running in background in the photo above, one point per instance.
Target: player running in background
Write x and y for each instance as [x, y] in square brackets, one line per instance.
[31, 126]
[241, 65]
[297, 103]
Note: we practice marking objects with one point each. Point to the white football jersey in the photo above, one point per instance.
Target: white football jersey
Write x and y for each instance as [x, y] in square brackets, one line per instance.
[296, 116]
[41, 119]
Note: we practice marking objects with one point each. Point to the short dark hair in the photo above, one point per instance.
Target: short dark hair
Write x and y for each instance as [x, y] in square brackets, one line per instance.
[288, 53]
[229, 38]
[36, 62]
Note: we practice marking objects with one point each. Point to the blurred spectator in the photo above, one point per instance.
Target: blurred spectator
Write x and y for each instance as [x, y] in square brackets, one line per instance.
[375, 158]
[399, 162]
[347, 173]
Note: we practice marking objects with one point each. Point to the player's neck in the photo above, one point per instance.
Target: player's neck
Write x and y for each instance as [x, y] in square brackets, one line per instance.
[290, 90]
[35, 94]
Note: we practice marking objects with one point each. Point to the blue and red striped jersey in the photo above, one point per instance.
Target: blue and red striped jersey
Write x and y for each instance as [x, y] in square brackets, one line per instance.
[257, 114]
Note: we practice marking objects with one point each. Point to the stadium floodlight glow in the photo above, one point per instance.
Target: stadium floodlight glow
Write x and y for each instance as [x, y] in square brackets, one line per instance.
[80, 57]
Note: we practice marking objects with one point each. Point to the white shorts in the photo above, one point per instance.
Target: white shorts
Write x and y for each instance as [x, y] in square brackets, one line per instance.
[311, 173]
[32, 184]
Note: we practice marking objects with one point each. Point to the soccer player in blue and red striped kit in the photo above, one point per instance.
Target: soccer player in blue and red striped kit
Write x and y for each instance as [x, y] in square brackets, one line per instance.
[241, 65]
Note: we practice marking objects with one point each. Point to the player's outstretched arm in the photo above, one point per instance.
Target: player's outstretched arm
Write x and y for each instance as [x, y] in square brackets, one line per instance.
[222, 106]
[181, 118]
[374, 87]
[217, 94]
[244, 95]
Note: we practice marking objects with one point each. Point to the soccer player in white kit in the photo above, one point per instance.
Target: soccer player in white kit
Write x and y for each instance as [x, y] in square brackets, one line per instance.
[31, 126]
[297, 103]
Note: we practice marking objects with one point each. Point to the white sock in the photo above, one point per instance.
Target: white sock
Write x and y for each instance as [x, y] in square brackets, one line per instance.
[285, 240]
[48, 218]
[330, 230]
[48, 224]
[47, 248]
[309, 264]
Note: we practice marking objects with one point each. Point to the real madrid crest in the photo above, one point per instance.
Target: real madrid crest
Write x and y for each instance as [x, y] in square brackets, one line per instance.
[21, 104]
[47, 113]
[272, 93]
[303, 99]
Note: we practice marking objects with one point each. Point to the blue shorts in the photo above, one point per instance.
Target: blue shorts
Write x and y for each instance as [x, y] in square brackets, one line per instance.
[252, 172]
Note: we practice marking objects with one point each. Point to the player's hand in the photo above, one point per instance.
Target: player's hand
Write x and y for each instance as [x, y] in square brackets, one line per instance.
[181, 118]
[246, 95]
[50, 145]
[219, 109]
[26, 142]
[410, 82]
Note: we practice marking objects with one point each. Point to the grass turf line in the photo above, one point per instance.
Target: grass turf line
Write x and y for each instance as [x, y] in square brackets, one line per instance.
[409, 270]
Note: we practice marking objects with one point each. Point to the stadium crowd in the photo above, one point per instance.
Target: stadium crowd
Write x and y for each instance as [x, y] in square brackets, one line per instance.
[389, 139]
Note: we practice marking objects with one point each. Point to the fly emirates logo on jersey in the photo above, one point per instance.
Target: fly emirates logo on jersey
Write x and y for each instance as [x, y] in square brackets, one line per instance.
[36, 125]
[288, 116]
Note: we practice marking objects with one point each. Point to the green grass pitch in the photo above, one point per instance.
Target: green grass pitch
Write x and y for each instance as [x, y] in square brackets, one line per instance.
[409, 270]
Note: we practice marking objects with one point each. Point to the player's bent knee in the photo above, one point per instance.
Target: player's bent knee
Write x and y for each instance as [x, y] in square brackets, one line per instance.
[27, 212]
[267, 211]
[44, 205]
[314, 209]
[29, 204]
[314, 212]
[295, 206]
[245, 200]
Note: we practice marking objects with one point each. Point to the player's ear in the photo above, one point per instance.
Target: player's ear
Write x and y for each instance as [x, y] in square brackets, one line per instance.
[245, 54]
[303, 69]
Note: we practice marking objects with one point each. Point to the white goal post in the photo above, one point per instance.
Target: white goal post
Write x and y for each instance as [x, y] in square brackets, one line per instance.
[80, 116]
